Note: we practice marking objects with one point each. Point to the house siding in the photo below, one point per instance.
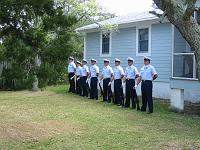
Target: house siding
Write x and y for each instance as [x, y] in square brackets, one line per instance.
[191, 93]
[198, 3]
[124, 45]
[161, 50]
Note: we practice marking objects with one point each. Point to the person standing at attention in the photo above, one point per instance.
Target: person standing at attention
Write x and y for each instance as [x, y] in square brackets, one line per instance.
[71, 75]
[118, 76]
[131, 73]
[107, 74]
[147, 75]
[84, 77]
[78, 78]
[94, 73]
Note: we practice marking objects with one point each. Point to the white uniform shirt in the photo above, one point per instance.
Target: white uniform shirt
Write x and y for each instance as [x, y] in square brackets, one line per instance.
[94, 69]
[84, 70]
[106, 72]
[131, 72]
[118, 72]
[78, 71]
[71, 67]
[147, 72]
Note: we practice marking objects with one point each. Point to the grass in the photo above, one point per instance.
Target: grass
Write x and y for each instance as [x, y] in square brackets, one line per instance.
[53, 120]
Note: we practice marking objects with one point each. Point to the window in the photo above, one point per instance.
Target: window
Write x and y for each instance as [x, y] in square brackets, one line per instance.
[143, 41]
[105, 44]
[184, 63]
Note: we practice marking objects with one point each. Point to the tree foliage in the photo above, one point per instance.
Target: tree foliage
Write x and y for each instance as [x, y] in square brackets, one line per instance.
[37, 37]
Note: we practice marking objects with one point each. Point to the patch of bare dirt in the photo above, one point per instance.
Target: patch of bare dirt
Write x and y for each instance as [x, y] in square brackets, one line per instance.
[28, 131]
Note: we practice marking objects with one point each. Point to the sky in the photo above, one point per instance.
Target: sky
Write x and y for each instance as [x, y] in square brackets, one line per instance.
[121, 7]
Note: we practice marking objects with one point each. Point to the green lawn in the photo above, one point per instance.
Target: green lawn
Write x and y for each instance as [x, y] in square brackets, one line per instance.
[55, 120]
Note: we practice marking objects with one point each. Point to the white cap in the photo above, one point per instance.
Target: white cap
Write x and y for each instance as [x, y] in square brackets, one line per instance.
[93, 60]
[71, 58]
[106, 60]
[78, 62]
[117, 60]
[130, 59]
[147, 58]
[84, 60]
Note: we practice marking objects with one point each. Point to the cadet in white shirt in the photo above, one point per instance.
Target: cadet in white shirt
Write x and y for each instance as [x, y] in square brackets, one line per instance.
[78, 76]
[71, 74]
[94, 73]
[147, 75]
[107, 73]
[131, 73]
[84, 76]
[118, 89]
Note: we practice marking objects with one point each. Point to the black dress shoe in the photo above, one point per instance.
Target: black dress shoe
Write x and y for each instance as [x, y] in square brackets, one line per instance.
[142, 110]
[138, 109]
[150, 112]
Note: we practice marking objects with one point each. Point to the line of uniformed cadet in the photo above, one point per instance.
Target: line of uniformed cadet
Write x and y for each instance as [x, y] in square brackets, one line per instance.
[82, 73]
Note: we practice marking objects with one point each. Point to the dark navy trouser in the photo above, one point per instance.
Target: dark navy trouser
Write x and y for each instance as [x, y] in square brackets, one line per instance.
[78, 86]
[71, 82]
[84, 86]
[107, 93]
[147, 95]
[93, 88]
[130, 93]
[118, 91]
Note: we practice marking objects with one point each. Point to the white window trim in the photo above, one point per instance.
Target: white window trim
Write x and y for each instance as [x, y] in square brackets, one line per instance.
[194, 65]
[174, 54]
[137, 41]
[110, 46]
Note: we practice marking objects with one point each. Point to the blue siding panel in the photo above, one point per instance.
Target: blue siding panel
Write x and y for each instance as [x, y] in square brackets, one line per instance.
[198, 3]
[124, 45]
[162, 50]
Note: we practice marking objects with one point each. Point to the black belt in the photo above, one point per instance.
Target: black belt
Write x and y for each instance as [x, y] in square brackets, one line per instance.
[146, 81]
[117, 79]
[106, 78]
[130, 79]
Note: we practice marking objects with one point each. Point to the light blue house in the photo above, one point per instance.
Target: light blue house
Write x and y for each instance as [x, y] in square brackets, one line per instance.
[140, 35]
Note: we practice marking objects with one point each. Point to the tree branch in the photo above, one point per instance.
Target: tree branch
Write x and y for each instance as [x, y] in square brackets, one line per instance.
[190, 8]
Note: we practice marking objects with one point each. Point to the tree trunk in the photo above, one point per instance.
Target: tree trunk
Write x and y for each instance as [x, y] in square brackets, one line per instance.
[35, 83]
[185, 23]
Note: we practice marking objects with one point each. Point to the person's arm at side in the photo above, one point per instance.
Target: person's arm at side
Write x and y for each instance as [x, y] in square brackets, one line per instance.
[137, 78]
[122, 73]
[88, 72]
[155, 75]
[101, 76]
[136, 73]
[125, 76]
[97, 71]
[112, 75]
